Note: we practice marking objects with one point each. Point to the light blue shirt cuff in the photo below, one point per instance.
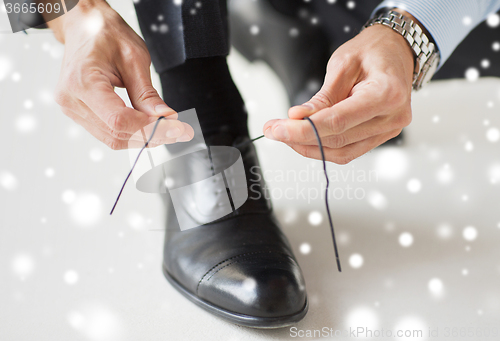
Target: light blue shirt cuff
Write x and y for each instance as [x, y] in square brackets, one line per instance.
[448, 21]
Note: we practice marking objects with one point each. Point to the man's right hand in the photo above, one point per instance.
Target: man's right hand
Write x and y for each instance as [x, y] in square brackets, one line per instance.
[102, 52]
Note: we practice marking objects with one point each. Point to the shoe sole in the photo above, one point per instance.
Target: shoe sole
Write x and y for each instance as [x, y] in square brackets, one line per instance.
[240, 319]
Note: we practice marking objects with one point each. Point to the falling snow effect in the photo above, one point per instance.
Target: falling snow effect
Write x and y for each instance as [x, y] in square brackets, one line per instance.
[5, 67]
[96, 154]
[493, 134]
[414, 185]
[26, 123]
[136, 221]
[445, 231]
[94, 23]
[445, 174]
[409, 324]
[406, 239]
[249, 284]
[469, 146]
[23, 265]
[86, 209]
[469, 233]
[28, 104]
[472, 74]
[494, 173]
[394, 166]
[315, 218]
[356, 261]
[254, 30]
[71, 277]
[493, 20]
[50, 172]
[97, 322]
[362, 316]
[436, 287]
[305, 248]
[68, 196]
[391, 163]
[8, 181]
[377, 200]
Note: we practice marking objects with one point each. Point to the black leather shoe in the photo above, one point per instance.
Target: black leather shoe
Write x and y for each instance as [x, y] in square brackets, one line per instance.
[295, 49]
[240, 267]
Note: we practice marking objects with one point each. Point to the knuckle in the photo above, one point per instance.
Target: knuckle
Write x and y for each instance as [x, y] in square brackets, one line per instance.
[116, 122]
[112, 143]
[403, 119]
[323, 98]
[303, 150]
[343, 159]
[86, 77]
[395, 95]
[396, 133]
[132, 52]
[307, 152]
[302, 132]
[118, 135]
[146, 93]
[61, 98]
[338, 141]
[128, 51]
[337, 123]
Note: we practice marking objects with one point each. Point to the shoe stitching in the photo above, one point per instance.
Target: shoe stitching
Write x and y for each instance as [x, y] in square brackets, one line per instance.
[236, 261]
[243, 255]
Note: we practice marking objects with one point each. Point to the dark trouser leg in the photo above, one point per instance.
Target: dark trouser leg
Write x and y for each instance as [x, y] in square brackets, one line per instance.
[206, 84]
[188, 45]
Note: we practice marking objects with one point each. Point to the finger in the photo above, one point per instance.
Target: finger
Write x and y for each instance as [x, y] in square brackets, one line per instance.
[362, 106]
[107, 139]
[150, 132]
[87, 115]
[342, 74]
[376, 126]
[187, 135]
[143, 96]
[348, 153]
[98, 94]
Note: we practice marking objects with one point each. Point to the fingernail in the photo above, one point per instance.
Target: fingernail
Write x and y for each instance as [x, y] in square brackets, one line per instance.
[173, 132]
[162, 109]
[183, 138]
[280, 133]
[269, 134]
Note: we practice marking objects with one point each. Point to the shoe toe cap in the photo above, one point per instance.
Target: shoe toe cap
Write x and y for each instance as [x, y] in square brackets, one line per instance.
[262, 284]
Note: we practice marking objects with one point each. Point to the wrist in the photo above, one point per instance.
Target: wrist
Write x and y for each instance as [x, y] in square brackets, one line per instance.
[62, 25]
[425, 54]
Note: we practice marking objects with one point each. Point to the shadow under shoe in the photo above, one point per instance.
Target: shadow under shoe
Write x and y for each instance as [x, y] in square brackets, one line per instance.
[240, 267]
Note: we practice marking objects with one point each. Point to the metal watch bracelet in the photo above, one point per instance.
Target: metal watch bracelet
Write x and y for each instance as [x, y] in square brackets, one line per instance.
[426, 54]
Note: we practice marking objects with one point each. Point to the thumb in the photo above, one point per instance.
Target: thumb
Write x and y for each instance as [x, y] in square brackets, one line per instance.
[339, 81]
[143, 95]
[319, 101]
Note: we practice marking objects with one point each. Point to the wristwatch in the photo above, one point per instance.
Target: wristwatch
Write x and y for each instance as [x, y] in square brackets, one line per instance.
[427, 56]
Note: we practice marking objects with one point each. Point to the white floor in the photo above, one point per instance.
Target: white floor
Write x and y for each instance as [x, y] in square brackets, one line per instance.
[418, 225]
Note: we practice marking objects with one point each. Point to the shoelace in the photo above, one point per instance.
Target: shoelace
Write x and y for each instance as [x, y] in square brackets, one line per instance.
[332, 230]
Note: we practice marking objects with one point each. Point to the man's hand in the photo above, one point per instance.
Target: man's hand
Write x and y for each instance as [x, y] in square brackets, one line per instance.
[103, 52]
[364, 101]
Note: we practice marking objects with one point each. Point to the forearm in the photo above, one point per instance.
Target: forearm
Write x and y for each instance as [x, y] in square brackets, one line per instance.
[447, 21]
